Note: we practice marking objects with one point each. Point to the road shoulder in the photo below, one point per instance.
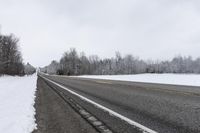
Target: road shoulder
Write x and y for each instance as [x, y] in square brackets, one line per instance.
[53, 115]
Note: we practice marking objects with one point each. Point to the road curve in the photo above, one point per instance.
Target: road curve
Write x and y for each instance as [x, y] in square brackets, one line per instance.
[163, 108]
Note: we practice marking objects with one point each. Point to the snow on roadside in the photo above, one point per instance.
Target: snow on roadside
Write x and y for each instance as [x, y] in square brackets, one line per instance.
[175, 79]
[17, 95]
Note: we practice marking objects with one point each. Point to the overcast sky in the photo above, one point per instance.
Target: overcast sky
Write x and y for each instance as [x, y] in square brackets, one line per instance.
[150, 29]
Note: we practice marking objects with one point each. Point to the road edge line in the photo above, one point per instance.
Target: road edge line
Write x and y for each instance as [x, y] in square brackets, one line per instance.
[138, 125]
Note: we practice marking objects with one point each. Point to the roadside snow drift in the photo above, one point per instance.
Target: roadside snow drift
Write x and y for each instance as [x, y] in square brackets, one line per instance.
[175, 79]
[17, 95]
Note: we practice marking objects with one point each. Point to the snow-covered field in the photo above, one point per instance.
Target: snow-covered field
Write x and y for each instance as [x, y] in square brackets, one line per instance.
[17, 96]
[175, 79]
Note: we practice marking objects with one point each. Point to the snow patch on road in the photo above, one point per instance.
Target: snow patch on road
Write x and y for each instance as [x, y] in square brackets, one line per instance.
[17, 97]
[175, 79]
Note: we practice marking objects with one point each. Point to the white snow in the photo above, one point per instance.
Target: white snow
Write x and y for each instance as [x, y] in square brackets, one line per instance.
[17, 96]
[175, 79]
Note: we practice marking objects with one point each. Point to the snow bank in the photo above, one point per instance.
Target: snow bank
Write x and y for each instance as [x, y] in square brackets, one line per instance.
[17, 96]
[175, 79]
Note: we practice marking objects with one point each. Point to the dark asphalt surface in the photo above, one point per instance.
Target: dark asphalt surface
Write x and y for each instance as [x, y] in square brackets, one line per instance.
[163, 108]
[53, 115]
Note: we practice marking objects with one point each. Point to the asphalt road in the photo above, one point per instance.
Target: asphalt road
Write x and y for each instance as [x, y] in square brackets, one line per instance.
[163, 108]
[53, 115]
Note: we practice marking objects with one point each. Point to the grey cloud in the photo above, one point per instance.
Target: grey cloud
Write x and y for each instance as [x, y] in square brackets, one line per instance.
[147, 28]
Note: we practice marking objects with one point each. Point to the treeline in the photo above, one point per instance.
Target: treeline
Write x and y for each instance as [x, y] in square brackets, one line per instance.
[11, 62]
[74, 63]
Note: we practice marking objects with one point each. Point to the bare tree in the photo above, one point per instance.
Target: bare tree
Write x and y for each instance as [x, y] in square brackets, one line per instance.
[29, 69]
[73, 63]
[10, 56]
